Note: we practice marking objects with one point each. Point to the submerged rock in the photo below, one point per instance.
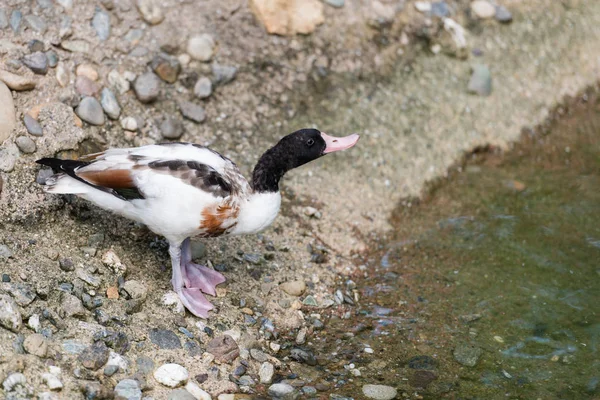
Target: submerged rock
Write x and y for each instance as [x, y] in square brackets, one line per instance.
[379, 392]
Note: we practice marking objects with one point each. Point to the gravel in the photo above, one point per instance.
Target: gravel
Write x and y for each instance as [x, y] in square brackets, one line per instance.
[224, 348]
[151, 11]
[165, 339]
[26, 144]
[203, 88]
[171, 375]
[101, 23]
[294, 288]
[281, 390]
[90, 111]
[128, 389]
[36, 344]
[201, 47]
[171, 128]
[37, 62]
[147, 87]
[379, 392]
[467, 354]
[266, 372]
[192, 111]
[166, 67]
[223, 74]
[481, 81]
[109, 103]
[10, 317]
[95, 356]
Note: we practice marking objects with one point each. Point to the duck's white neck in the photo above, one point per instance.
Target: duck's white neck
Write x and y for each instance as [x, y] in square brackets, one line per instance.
[257, 212]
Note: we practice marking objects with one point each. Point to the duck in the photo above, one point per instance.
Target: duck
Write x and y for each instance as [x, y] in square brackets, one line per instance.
[184, 190]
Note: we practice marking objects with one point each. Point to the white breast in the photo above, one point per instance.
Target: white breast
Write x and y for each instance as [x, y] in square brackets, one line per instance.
[257, 212]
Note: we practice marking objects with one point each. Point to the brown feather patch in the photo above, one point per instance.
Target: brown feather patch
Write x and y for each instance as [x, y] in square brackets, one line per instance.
[214, 219]
[115, 179]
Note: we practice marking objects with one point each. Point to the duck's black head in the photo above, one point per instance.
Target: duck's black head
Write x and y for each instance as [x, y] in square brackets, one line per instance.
[292, 151]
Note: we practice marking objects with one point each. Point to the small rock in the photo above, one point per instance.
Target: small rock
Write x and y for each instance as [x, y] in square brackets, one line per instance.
[201, 47]
[224, 348]
[37, 62]
[88, 71]
[16, 82]
[266, 372]
[36, 344]
[101, 23]
[202, 89]
[310, 301]
[171, 375]
[259, 355]
[3, 19]
[145, 365]
[423, 6]
[281, 390]
[165, 339]
[42, 175]
[136, 290]
[13, 380]
[66, 264]
[71, 306]
[52, 381]
[129, 124]
[90, 111]
[62, 75]
[8, 120]
[422, 379]
[112, 261]
[36, 23]
[52, 58]
[10, 317]
[147, 87]
[26, 144]
[481, 81]
[192, 111]
[8, 156]
[86, 87]
[440, 9]
[198, 249]
[110, 104]
[301, 337]
[33, 127]
[76, 46]
[335, 3]
[95, 356]
[110, 370]
[223, 74]
[172, 301]
[503, 15]
[379, 392]
[294, 288]
[35, 45]
[180, 394]
[128, 389]
[483, 9]
[288, 18]
[197, 392]
[151, 12]
[171, 128]
[21, 292]
[118, 82]
[167, 68]
[467, 354]
[15, 20]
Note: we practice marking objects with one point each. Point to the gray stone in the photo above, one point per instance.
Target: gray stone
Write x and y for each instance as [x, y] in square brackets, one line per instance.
[166, 67]
[90, 111]
[95, 356]
[110, 104]
[45, 3]
[15, 20]
[192, 111]
[266, 372]
[246, 380]
[147, 87]
[52, 58]
[3, 19]
[85, 86]
[282, 391]
[467, 354]
[73, 347]
[379, 392]
[33, 127]
[35, 45]
[440, 9]
[36, 23]
[481, 81]
[223, 74]
[198, 249]
[71, 306]
[37, 62]
[101, 23]
[8, 120]
[10, 317]
[8, 156]
[110, 370]
[165, 339]
[5, 252]
[259, 355]
[134, 36]
[201, 47]
[145, 365]
[76, 46]
[151, 11]
[180, 394]
[335, 3]
[26, 144]
[128, 389]
[171, 128]
[65, 26]
[23, 293]
[42, 175]
[503, 15]
[224, 348]
[203, 88]
[310, 301]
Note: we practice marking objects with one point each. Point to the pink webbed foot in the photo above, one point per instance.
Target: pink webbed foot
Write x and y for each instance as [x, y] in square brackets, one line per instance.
[195, 302]
[200, 277]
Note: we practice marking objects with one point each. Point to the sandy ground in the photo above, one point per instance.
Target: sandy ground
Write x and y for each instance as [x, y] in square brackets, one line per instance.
[410, 105]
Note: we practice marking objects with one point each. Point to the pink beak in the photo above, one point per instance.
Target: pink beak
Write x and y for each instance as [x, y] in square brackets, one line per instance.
[338, 143]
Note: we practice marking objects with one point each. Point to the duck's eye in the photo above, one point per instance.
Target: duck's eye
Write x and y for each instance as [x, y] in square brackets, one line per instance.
[310, 142]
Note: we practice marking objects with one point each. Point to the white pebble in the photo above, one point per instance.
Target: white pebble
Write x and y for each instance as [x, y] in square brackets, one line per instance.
[275, 346]
[368, 350]
[171, 375]
[173, 302]
[13, 380]
[379, 392]
[266, 372]
[197, 392]
[52, 381]
[34, 323]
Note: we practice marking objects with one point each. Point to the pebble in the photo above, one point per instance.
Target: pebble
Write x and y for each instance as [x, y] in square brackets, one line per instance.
[21, 292]
[151, 12]
[10, 317]
[52, 58]
[379, 392]
[37, 62]
[71, 306]
[136, 290]
[7, 116]
[165, 339]
[203, 88]
[128, 389]
[145, 365]
[483, 9]
[129, 124]
[101, 23]
[35, 45]
[266, 372]
[110, 104]
[259, 355]
[294, 288]
[481, 81]
[201, 47]
[281, 390]
[86, 87]
[118, 82]
[301, 337]
[13, 380]
[171, 128]
[167, 68]
[90, 111]
[467, 354]
[75, 46]
[110, 370]
[26, 144]
[224, 348]
[440, 9]
[173, 302]
[36, 23]
[310, 301]
[62, 75]
[16, 82]
[223, 74]
[503, 15]
[171, 375]
[15, 20]
[198, 249]
[95, 356]
[36, 344]
[197, 392]
[66, 264]
[423, 6]
[192, 111]
[335, 3]
[3, 19]
[147, 87]
[52, 381]
[180, 394]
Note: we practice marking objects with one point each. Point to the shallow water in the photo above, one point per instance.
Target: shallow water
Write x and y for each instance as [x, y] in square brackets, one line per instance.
[489, 287]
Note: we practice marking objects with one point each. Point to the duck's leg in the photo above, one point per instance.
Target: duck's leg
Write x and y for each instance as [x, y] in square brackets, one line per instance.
[192, 298]
[198, 276]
